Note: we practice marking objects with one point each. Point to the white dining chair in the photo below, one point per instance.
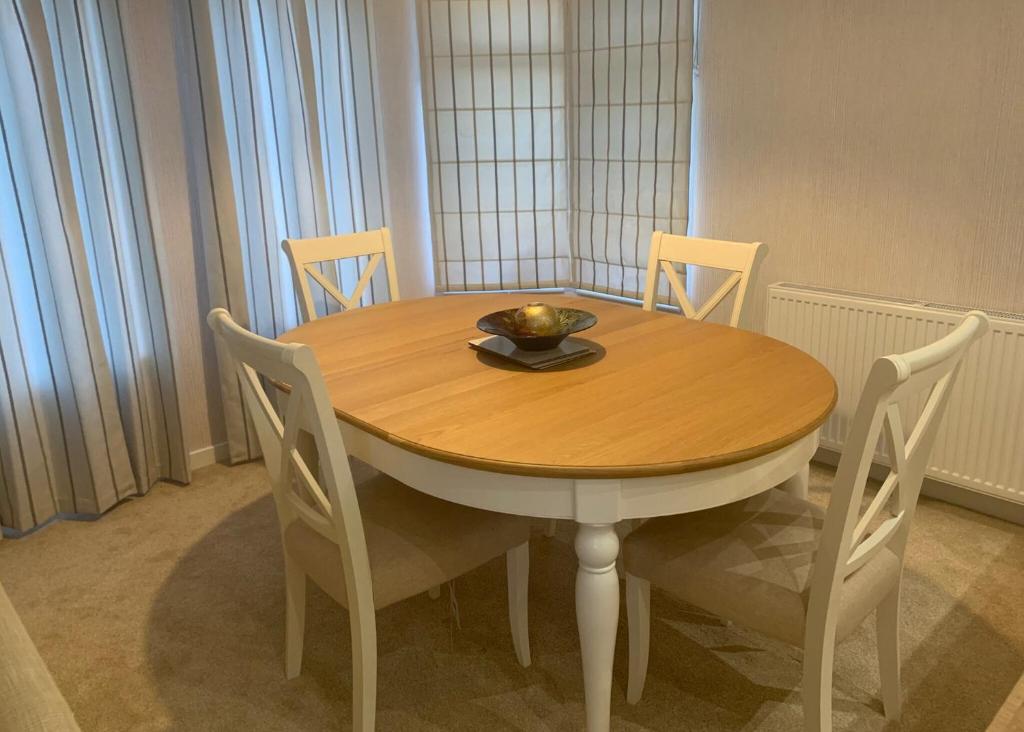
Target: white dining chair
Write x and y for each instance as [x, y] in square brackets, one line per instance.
[741, 260]
[369, 545]
[791, 570]
[305, 253]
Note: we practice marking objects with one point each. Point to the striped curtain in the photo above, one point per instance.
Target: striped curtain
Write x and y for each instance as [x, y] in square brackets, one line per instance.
[281, 111]
[90, 410]
[558, 136]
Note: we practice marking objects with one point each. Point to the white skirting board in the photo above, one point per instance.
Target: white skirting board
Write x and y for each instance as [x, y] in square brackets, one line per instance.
[208, 455]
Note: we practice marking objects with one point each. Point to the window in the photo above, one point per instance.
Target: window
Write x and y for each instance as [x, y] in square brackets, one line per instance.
[558, 135]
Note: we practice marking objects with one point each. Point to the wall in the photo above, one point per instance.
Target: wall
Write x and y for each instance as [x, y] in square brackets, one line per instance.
[149, 34]
[401, 105]
[875, 145]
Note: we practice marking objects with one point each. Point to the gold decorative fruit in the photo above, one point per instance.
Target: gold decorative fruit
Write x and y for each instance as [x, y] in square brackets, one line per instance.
[536, 318]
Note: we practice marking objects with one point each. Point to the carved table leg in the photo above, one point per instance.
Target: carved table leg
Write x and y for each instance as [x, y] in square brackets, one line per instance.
[597, 616]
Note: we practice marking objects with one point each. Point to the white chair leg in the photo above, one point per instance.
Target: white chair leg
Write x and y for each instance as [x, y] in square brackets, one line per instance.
[819, 653]
[551, 528]
[434, 592]
[798, 485]
[294, 617]
[363, 626]
[888, 630]
[638, 613]
[518, 561]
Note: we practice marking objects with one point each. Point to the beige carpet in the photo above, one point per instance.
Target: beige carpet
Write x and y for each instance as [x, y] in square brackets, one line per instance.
[167, 614]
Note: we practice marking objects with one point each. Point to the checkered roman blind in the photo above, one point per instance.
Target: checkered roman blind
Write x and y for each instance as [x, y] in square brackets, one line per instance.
[495, 97]
[631, 150]
[558, 133]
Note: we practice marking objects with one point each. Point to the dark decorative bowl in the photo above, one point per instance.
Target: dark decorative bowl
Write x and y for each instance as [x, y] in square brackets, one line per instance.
[503, 323]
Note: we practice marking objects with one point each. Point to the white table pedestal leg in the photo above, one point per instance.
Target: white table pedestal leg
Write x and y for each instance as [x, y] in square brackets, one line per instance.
[797, 486]
[597, 616]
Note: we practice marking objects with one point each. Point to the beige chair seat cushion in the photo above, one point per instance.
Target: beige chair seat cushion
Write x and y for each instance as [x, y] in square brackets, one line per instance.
[751, 562]
[415, 542]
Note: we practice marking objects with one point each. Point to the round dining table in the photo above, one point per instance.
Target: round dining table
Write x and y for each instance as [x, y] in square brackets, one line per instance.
[668, 415]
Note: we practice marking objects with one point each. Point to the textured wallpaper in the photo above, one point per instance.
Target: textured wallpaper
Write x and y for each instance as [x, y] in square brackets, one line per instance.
[875, 145]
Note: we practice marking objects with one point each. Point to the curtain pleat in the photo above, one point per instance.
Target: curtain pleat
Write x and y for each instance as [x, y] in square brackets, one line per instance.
[91, 413]
[280, 101]
[558, 134]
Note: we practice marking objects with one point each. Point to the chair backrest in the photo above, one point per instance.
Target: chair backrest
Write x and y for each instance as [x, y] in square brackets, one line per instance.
[739, 258]
[305, 253]
[852, 538]
[323, 497]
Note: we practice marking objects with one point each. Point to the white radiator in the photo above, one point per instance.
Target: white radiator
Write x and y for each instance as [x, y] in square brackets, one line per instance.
[981, 441]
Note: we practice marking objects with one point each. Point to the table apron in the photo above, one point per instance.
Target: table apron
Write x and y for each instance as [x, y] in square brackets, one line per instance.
[585, 500]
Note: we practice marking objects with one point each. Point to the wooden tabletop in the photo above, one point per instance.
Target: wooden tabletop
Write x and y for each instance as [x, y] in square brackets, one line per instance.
[664, 394]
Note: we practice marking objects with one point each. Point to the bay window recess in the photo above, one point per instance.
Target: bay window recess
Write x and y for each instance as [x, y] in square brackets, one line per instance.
[558, 136]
